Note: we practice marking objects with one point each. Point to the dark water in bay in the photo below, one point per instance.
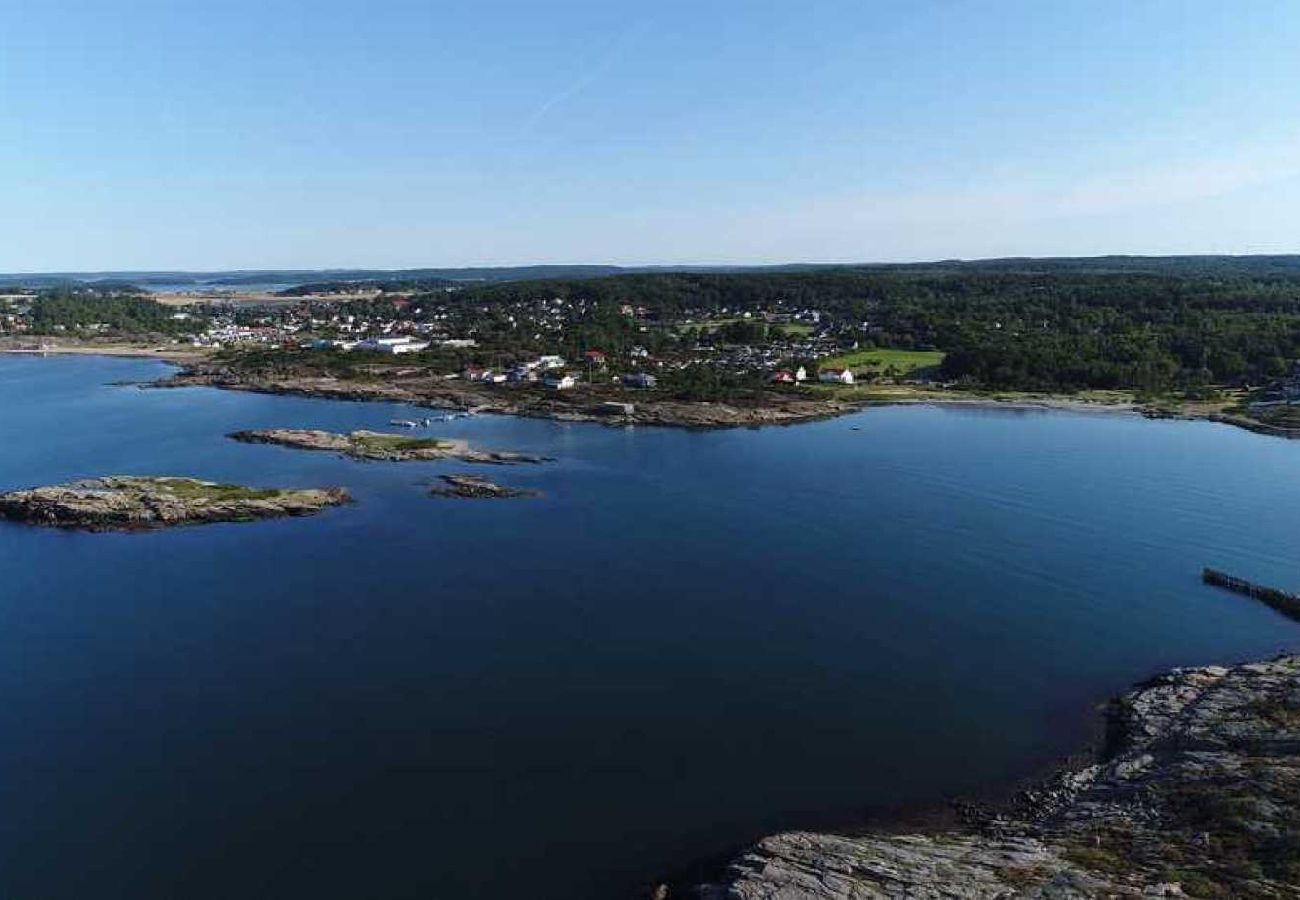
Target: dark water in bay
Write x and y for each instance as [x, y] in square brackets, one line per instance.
[692, 639]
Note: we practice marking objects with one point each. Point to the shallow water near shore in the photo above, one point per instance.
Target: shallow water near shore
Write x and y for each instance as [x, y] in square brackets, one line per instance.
[689, 640]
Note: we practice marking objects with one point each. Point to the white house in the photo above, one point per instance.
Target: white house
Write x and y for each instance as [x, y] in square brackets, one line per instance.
[393, 345]
[560, 382]
[836, 376]
[551, 362]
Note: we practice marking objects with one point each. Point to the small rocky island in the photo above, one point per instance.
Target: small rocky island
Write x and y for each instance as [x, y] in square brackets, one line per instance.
[135, 503]
[376, 445]
[471, 487]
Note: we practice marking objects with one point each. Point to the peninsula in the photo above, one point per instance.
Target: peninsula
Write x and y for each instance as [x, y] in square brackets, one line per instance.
[134, 503]
[374, 445]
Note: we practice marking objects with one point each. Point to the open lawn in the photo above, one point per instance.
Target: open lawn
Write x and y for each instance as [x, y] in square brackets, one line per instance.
[710, 325]
[400, 442]
[793, 329]
[905, 362]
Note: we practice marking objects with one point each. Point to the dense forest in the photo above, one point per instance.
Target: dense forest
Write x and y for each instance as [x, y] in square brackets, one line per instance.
[122, 312]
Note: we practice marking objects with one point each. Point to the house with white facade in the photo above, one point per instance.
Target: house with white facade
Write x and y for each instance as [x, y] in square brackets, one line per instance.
[394, 345]
[560, 382]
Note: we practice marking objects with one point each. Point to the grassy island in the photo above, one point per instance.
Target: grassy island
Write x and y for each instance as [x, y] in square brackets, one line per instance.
[374, 445]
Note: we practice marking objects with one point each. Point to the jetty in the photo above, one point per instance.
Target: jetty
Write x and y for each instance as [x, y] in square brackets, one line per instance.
[1283, 601]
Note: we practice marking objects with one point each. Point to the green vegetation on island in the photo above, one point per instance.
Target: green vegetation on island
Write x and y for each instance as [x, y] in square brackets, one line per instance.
[373, 445]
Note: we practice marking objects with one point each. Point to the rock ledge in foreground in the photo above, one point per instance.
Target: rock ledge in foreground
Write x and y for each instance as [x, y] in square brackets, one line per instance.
[1199, 796]
[134, 503]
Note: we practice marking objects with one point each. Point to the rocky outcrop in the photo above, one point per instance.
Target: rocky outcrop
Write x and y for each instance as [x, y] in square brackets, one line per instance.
[130, 503]
[800, 866]
[471, 487]
[1199, 795]
[379, 446]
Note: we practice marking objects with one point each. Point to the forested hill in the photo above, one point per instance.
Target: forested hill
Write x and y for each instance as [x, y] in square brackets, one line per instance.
[124, 312]
[1230, 321]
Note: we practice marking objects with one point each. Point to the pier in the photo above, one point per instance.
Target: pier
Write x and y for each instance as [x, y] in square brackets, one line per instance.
[1284, 602]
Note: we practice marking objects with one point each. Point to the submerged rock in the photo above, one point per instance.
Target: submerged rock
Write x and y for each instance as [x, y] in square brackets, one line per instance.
[379, 446]
[127, 503]
[1198, 796]
[471, 487]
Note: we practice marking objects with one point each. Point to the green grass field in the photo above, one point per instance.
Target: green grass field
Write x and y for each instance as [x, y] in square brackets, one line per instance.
[789, 329]
[400, 442]
[711, 325]
[905, 362]
[793, 329]
[191, 489]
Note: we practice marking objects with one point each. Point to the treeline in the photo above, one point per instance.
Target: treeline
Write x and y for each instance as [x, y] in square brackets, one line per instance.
[122, 313]
[414, 286]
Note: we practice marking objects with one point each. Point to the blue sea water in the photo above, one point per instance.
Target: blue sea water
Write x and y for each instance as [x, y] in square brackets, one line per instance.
[691, 639]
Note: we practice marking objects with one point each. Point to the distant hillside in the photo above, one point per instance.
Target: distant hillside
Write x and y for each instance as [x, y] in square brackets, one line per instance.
[1256, 266]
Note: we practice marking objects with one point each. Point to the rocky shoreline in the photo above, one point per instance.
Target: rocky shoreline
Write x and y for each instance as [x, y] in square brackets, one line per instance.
[374, 445]
[135, 503]
[1197, 794]
[762, 408]
[766, 408]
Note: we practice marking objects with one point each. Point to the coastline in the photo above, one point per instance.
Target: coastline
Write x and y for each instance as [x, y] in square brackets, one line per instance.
[772, 408]
[177, 355]
[688, 414]
[589, 404]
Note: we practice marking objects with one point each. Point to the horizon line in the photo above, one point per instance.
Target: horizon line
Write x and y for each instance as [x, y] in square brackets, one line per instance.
[637, 266]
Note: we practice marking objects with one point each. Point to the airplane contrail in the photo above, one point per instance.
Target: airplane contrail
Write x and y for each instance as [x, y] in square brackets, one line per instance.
[607, 59]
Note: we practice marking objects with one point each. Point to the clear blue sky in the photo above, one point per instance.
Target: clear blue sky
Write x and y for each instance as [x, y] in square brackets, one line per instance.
[316, 134]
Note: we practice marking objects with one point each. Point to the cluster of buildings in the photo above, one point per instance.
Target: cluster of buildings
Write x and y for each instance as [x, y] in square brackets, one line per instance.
[550, 371]
[394, 345]
[546, 369]
[1284, 391]
[223, 333]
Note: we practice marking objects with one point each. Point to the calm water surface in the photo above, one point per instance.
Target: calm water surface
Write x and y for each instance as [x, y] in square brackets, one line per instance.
[692, 639]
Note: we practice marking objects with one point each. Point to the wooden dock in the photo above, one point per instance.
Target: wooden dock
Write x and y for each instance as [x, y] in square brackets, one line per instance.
[1283, 601]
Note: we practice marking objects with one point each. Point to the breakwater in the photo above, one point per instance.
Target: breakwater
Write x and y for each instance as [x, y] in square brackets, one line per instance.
[1282, 601]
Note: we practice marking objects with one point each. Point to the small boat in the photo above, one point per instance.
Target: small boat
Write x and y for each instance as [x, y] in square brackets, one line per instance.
[404, 423]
